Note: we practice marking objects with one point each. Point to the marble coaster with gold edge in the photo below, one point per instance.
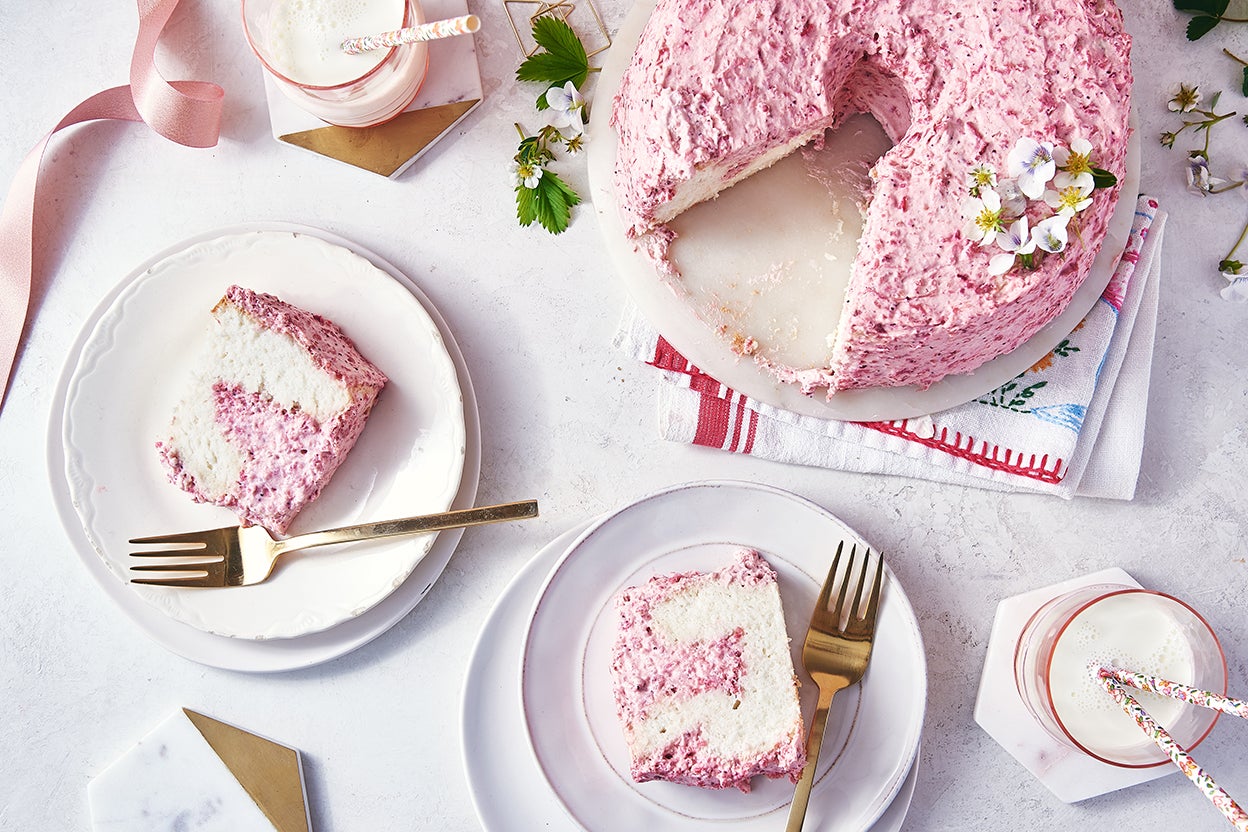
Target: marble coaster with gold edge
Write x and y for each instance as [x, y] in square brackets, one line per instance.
[195, 772]
[451, 90]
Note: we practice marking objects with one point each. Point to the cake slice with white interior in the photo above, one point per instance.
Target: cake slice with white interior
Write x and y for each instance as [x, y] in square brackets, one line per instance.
[275, 404]
[704, 681]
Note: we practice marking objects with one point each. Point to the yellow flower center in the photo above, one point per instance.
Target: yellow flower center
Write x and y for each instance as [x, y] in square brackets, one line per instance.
[1070, 197]
[988, 220]
[1078, 163]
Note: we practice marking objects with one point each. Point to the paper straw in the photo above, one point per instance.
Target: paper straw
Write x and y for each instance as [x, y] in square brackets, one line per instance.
[449, 28]
[1179, 691]
[1228, 807]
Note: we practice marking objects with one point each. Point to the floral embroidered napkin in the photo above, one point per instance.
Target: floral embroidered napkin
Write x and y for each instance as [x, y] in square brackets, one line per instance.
[1072, 425]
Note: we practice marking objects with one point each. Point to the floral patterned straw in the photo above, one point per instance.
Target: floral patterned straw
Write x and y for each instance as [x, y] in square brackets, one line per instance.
[1228, 807]
[449, 28]
[1181, 692]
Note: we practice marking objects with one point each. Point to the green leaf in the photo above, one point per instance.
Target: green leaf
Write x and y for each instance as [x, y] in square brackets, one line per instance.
[1102, 178]
[526, 205]
[1213, 102]
[564, 59]
[555, 35]
[1216, 8]
[1244, 88]
[1198, 27]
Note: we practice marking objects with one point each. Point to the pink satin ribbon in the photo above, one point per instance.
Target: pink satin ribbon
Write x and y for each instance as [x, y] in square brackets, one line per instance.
[186, 112]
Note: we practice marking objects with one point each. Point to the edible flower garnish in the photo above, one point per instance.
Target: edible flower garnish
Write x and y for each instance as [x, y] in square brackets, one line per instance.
[983, 217]
[981, 176]
[1072, 194]
[1017, 243]
[1000, 213]
[1187, 97]
[561, 65]
[567, 107]
[525, 174]
[1235, 271]
[1050, 234]
[1199, 179]
[1031, 163]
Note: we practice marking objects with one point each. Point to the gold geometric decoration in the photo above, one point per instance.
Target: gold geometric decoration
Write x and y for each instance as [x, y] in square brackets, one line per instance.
[561, 9]
[269, 772]
[385, 148]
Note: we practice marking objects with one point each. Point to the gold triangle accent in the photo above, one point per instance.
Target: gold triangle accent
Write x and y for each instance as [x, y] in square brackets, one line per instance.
[387, 147]
[268, 771]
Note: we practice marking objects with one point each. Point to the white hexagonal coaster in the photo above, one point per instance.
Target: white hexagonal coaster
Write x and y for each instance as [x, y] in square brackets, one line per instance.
[193, 772]
[1070, 774]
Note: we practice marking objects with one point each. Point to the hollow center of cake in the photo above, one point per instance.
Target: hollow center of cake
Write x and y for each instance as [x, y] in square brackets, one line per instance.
[769, 258]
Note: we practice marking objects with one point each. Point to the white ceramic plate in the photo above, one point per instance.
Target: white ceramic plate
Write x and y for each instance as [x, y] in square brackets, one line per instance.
[566, 691]
[734, 245]
[501, 772]
[411, 459]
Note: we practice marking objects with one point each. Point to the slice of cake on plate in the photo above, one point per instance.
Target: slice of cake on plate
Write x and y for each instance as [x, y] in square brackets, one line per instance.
[703, 678]
[274, 406]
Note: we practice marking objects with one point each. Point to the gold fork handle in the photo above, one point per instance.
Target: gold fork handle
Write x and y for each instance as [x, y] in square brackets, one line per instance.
[801, 797]
[410, 525]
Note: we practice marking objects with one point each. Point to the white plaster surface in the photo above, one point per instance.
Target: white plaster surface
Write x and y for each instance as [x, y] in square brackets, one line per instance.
[563, 420]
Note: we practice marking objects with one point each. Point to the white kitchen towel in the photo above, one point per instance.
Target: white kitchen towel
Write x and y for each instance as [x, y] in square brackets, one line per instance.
[1073, 424]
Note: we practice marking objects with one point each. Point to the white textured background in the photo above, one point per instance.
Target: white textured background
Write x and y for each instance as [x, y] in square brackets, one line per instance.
[566, 421]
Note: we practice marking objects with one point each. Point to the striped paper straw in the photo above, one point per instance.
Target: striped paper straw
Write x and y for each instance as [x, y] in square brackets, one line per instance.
[449, 28]
[1228, 807]
[1179, 691]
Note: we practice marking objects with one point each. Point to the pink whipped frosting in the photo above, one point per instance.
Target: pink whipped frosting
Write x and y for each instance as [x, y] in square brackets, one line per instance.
[953, 83]
[645, 669]
[289, 455]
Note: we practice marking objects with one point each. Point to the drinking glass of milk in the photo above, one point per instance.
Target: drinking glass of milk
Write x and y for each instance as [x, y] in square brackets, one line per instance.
[299, 42]
[1071, 637]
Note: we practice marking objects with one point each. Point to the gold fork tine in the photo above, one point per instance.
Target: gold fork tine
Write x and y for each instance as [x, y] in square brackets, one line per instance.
[200, 538]
[825, 592]
[849, 577]
[181, 574]
[873, 603]
[189, 555]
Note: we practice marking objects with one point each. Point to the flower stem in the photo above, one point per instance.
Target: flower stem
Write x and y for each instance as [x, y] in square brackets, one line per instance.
[520, 130]
[1235, 57]
[1238, 242]
[1230, 187]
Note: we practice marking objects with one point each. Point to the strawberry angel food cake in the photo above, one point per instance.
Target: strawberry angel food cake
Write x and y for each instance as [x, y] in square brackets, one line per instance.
[1009, 123]
[273, 407]
[703, 680]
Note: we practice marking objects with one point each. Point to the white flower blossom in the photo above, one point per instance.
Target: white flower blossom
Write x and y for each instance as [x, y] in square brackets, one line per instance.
[1072, 194]
[1237, 290]
[1199, 179]
[526, 175]
[1014, 241]
[1050, 234]
[1185, 98]
[983, 217]
[567, 108]
[981, 176]
[1031, 163]
[1075, 160]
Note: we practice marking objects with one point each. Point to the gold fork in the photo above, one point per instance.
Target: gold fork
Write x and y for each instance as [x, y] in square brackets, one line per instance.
[238, 556]
[835, 656]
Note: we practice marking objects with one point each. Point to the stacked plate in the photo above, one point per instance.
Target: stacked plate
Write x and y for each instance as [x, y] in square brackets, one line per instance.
[419, 454]
[542, 745]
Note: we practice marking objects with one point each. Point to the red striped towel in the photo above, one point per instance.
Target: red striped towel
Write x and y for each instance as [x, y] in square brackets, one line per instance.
[1071, 425]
